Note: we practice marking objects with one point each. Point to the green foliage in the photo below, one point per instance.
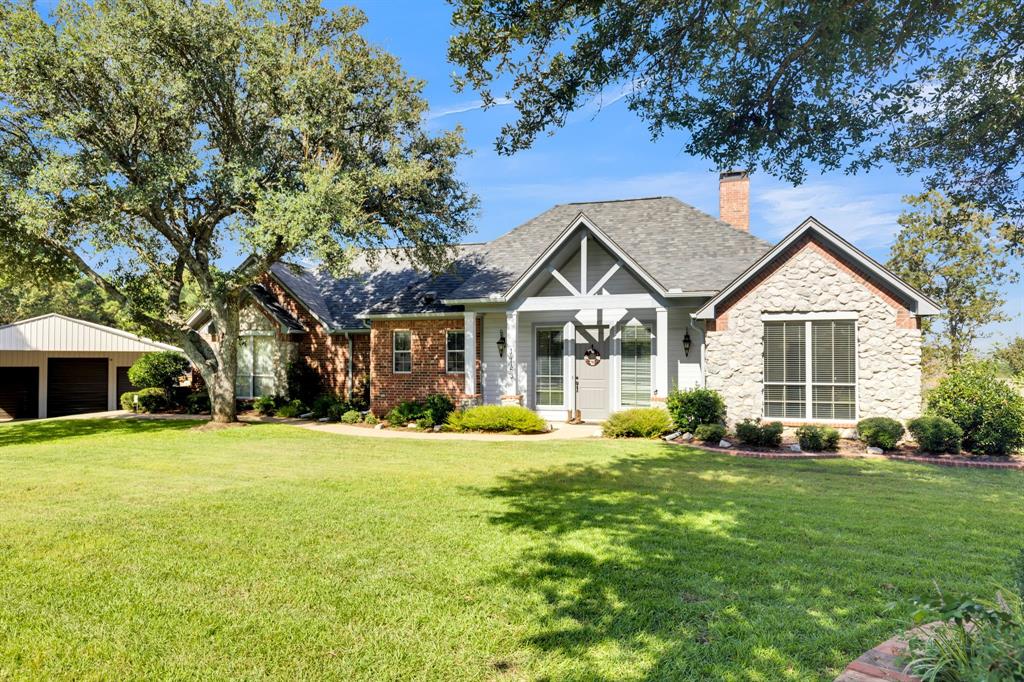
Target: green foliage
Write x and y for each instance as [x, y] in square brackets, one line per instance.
[935, 435]
[292, 409]
[437, 407]
[158, 370]
[198, 402]
[880, 432]
[128, 400]
[817, 438]
[1011, 355]
[153, 399]
[952, 253]
[424, 423]
[638, 422]
[497, 419]
[326, 404]
[1018, 571]
[351, 417]
[371, 419]
[986, 408]
[304, 382]
[753, 432]
[267, 404]
[710, 433]
[696, 406]
[406, 412]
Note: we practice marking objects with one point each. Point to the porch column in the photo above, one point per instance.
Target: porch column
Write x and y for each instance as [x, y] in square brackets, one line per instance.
[511, 356]
[470, 353]
[661, 358]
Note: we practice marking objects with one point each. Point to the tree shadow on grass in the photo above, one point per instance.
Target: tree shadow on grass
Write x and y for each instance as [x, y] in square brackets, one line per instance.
[670, 564]
[32, 432]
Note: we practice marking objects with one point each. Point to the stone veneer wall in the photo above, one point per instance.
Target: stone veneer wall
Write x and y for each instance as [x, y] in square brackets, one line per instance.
[428, 375]
[813, 279]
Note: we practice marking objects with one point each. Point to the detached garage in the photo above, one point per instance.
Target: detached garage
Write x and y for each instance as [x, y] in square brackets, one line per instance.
[53, 366]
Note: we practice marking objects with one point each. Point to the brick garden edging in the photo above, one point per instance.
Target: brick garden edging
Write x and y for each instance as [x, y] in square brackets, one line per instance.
[938, 461]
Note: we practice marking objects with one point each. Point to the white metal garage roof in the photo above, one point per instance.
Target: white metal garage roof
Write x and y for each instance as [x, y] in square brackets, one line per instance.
[55, 332]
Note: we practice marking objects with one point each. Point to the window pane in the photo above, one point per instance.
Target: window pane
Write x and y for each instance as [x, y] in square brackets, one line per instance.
[244, 362]
[403, 341]
[263, 386]
[549, 364]
[834, 374]
[795, 355]
[636, 366]
[844, 349]
[403, 361]
[456, 361]
[243, 386]
[263, 355]
[456, 340]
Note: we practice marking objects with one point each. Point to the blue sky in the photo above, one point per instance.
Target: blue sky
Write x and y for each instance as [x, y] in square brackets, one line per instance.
[605, 152]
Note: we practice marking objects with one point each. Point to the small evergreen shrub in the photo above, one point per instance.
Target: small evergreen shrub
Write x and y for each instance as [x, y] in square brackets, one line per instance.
[709, 433]
[292, 409]
[371, 419]
[638, 422]
[437, 407]
[351, 417]
[695, 406]
[336, 411]
[128, 400]
[267, 405]
[325, 403]
[754, 432]
[817, 438]
[880, 432]
[153, 399]
[406, 412]
[424, 423]
[497, 419]
[988, 410]
[935, 435]
[158, 370]
[198, 402]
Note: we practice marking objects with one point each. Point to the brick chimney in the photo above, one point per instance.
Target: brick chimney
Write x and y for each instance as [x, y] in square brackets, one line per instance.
[734, 199]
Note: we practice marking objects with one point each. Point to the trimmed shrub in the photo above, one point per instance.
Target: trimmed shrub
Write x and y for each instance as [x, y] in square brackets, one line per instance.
[267, 404]
[753, 432]
[696, 406]
[817, 438]
[880, 432]
[351, 417]
[437, 407]
[153, 399]
[709, 433]
[304, 383]
[371, 419]
[935, 435]
[497, 419]
[638, 422]
[424, 423]
[406, 412]
[198, 402]
[158, 370]
[988, 410]
[128, 400]
[292, 409]
[336, 411]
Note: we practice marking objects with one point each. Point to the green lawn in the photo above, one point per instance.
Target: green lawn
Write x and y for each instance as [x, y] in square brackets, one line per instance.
[148, 550]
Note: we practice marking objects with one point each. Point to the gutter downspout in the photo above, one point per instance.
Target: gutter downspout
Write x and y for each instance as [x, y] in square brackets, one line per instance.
[349, 371]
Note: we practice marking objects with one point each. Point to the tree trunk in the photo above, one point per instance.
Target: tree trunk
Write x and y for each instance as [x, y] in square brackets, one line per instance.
[217, 362]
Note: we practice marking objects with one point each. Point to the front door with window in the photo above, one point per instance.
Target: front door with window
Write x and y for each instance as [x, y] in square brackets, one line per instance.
[592, 363]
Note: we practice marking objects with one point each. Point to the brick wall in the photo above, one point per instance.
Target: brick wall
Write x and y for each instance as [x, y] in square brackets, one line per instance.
[428, 363]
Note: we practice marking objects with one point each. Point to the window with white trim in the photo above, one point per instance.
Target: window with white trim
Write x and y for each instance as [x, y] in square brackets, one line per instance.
[550, 368]
[254, 366]
[635, 367]
[829, 390]
[401, 351]
[455, 352]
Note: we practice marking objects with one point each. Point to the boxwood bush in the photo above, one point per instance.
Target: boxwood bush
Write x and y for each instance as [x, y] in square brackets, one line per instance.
[153, 399]
[128, 400]
[497, 419]
[693, 407]
[292, 409]
[709, 433]
[638, 422]
[755, 432]
[158, 370]
[935, 434]
[988, 410]
[880, 432]
[816, 438]
[351, 417]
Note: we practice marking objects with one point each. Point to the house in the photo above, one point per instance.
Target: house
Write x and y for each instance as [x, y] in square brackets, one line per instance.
[593, 307]
[53, 366]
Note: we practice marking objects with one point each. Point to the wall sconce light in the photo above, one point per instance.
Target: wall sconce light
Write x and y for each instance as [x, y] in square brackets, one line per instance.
[686, 344]
[502, 344]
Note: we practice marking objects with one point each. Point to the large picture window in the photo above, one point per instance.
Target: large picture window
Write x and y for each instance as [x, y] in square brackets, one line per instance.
[550, 368]
[254, 373]
[635, 374]
[401, 352]
[455, 352]
[826, 392]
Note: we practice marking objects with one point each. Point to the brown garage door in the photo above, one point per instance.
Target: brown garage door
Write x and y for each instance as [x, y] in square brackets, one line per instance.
[124, 384]
[19, 393]
[76, 386]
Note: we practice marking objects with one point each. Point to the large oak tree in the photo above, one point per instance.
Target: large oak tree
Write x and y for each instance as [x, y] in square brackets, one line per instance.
[154, 144]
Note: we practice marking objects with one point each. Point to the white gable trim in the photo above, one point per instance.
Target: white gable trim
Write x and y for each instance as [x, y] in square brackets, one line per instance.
[924, 305]
[41, 334]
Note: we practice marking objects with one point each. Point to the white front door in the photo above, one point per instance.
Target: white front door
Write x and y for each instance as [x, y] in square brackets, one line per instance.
[592, 372]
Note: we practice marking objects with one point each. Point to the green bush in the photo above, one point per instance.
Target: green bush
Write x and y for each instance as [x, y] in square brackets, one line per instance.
[988, 410]
[198, 402]
[336, 411]
[406, 412]
[153, 399]
[268, 405]
[371, 419]
[935, 434]
[753, 432]
[351, 417]
[128, 400]
[328, 403]
[696, 406]
[817, 438]
[292, 409]
[880, 432]
[158, 370]
[709, 433]
[638, 422]
[437, 407]
[424, 423]
[304, 382]
[497, 418]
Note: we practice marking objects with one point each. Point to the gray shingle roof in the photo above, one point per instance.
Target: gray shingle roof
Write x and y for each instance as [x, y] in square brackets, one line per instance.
[679, 246]
[272, 306]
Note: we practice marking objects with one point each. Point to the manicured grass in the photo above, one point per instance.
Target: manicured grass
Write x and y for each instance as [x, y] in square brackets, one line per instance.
[147, 550]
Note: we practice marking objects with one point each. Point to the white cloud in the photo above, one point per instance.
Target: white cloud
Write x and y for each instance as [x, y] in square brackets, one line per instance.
[464, 107]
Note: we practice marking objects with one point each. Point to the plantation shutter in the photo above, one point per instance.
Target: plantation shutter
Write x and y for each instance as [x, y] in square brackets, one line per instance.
[834, 352]
[636, 366]
[831, 379]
